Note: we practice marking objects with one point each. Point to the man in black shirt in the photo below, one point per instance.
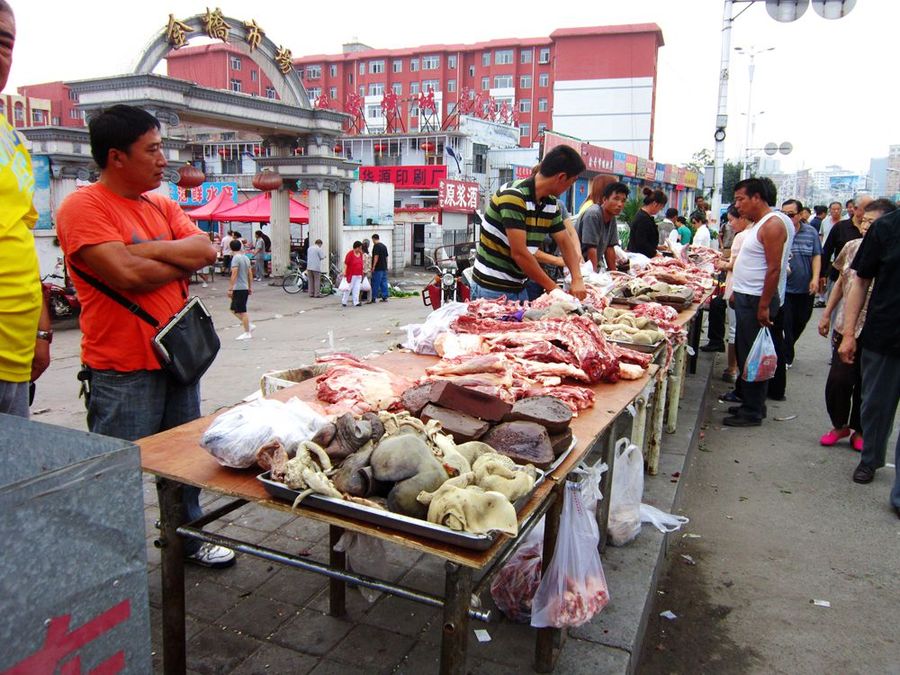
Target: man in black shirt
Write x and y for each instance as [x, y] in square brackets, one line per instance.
[379, 270]
[879, 259]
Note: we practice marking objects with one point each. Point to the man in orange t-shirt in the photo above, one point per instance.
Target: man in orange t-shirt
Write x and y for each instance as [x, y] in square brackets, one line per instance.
[144, 247]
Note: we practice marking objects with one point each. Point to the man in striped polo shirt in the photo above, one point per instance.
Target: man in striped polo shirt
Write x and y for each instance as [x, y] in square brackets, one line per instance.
[518, 218]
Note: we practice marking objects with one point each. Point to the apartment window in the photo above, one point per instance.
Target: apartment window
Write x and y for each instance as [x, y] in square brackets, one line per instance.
[544, 80]
[332, 70]
[486, 59]
[451, 108]
[451, 85]
[376, 89]
[37, 116]
[414, 65]
[332, 93]
[544, 56]
[253, 75]
[485, 83]
[525, 105]
[373, 111]
[270, 92]
[350, 78]
[503, 81]
[479, 158]
[73, 96]
[524, 130]
[313, 72]
[542, 105]
[431, 62]
[56, 121]
[397, 88]
[451, 62]
[471, 71]
[235, 62]
[397, 66]
[503, 57]
[362, 68]
[526, 55]
[542, 127]
[314, 93]
[362, 90]
[413, 111]
[74, 114]
[434, 84]
[525, 82]
[376, 67]
[235, 85]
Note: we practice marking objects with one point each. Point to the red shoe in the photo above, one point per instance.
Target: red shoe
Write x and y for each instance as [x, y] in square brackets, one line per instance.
[834, 436]
[857, 442]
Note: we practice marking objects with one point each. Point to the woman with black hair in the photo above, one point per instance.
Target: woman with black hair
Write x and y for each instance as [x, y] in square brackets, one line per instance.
[644, 236]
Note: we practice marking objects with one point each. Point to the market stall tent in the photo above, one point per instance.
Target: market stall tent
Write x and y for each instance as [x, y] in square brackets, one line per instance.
[259, 210]
[204, 212]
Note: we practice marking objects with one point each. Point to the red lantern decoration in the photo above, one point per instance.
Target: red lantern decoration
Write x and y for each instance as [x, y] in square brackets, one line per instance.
[257, 150]
[190, 177]
[338, 148]
[380, 147]
[427, 146]
[221, 152]
[267, 181]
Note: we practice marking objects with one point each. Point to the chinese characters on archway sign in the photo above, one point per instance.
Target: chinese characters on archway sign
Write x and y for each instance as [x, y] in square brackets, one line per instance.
[202, 193]
[454, 195]
[405, 177]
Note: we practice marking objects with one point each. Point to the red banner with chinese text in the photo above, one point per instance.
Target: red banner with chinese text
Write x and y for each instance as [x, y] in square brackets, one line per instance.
[405, 177]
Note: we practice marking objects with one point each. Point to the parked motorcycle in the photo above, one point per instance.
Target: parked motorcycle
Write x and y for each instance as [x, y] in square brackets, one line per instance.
[449, 283]
[62, 301]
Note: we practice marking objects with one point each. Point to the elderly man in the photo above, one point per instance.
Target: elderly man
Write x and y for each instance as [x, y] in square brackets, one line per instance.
[759, 279]
[122, 238]
[518, 218]
[25, 332]
[878, 258]
[803, 277]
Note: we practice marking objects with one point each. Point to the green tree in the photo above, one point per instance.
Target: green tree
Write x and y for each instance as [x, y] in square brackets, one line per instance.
[730, 177]
[700, 160]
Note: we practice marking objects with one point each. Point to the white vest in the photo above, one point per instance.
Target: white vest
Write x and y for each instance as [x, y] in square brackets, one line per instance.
[750, 267]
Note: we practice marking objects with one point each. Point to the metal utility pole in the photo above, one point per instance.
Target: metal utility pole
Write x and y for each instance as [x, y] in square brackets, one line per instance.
[745, 173]
[722, 114]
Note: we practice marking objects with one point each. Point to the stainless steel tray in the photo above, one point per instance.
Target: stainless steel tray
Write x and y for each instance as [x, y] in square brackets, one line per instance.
[646, 349]
[397, 521]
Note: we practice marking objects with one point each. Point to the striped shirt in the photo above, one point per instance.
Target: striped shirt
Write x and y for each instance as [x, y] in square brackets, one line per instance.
[513, 207]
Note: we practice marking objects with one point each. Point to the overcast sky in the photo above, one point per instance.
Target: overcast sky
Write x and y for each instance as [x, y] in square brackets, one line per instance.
[829, 87]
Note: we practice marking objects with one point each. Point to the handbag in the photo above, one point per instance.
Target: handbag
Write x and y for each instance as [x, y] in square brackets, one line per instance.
[185, 346]
[365, 285]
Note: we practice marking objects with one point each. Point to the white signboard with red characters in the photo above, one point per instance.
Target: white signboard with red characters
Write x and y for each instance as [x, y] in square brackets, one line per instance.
[457, 195]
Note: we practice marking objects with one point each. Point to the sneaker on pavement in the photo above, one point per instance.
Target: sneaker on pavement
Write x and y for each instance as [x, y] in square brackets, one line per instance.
[211, 555]
[730, 397]
[244, 336]
[252, 326]
[205, 284]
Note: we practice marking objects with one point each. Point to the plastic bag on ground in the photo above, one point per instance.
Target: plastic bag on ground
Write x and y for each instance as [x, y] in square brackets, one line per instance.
[234, 436]
[762, 359]
[662, 521]
[626, 493]
[366, 556]
[420, 337]
[515, 584]
[574, 588]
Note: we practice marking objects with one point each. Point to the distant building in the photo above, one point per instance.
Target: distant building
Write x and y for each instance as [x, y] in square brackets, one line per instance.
[892, 180]
[25, 111]
[61, 108]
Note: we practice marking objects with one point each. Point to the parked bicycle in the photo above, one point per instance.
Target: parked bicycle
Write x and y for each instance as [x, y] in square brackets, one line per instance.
[297, 279]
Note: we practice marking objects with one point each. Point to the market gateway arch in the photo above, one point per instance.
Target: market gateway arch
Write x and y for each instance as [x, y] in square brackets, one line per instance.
[284, 125]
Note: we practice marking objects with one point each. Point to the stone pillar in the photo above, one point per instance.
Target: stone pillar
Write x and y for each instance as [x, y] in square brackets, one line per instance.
[318, 214]
[337, 223]
[280, 224]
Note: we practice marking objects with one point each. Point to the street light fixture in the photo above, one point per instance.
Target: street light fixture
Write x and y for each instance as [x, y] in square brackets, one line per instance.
[752, 53]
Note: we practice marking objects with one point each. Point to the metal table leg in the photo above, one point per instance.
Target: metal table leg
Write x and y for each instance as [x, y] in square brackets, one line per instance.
[676, 378]
[656, 423]
[455, 631]
[639, 426]
[337, 589]
[548, 640]
[172, 515]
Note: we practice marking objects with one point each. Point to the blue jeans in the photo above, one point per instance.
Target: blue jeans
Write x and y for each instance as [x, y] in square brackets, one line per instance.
[880, 393]
[14, 398]
[131, 405]
[480, 292]
[379, 284]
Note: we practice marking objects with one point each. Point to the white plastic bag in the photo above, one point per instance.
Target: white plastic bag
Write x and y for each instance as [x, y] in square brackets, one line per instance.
[234, 436]
[344, 285]
[574, 588]
[365, 285]
[625, 494]
[420, 336]
[762, 359]
[662, 521]
[366, 556]
[517, 581]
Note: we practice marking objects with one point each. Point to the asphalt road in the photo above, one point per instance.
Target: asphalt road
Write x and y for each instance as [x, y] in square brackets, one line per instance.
[776, 524]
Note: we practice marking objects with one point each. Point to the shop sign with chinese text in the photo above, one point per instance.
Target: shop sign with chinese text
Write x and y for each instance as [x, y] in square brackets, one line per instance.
[202, 193]
[405, 177]
[460, 196]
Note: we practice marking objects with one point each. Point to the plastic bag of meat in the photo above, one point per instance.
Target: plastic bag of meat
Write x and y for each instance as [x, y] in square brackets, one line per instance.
[234, 436]
[420, 337]
[574, 588]
[762, 359]
[515, 584]
[626, 493]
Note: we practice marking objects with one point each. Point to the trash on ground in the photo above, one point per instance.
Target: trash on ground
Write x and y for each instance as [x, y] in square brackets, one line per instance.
[821, 603]
[688, 559]
[482, 635]
[690, 535]
[668, 614]
[788, 418]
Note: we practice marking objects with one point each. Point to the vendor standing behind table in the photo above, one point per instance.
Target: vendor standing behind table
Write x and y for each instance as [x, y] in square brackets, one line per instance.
[666, 226]
[644, 237]
[597, 227]
[519, 216]
[702, 236]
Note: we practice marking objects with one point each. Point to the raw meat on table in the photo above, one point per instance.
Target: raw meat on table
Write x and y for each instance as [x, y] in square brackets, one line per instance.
[352, 385]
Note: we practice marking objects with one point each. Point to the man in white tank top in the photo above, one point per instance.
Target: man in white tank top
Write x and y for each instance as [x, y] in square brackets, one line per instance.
[758, 282]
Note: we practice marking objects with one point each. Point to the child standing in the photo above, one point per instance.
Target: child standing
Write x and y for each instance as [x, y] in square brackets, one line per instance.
[240, 288]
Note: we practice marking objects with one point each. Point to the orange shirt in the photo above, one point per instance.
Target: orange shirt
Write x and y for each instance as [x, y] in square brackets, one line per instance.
[112, 337]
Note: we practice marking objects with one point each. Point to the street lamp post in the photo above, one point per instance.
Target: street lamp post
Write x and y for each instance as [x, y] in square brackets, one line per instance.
[752, 53]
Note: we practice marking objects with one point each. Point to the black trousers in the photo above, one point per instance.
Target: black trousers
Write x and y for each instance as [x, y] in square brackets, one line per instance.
[754, 394]
[843, 389]
[715, 330]
[798, 308]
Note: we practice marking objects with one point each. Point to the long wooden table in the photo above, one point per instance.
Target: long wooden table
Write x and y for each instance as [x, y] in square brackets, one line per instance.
[177, 459]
